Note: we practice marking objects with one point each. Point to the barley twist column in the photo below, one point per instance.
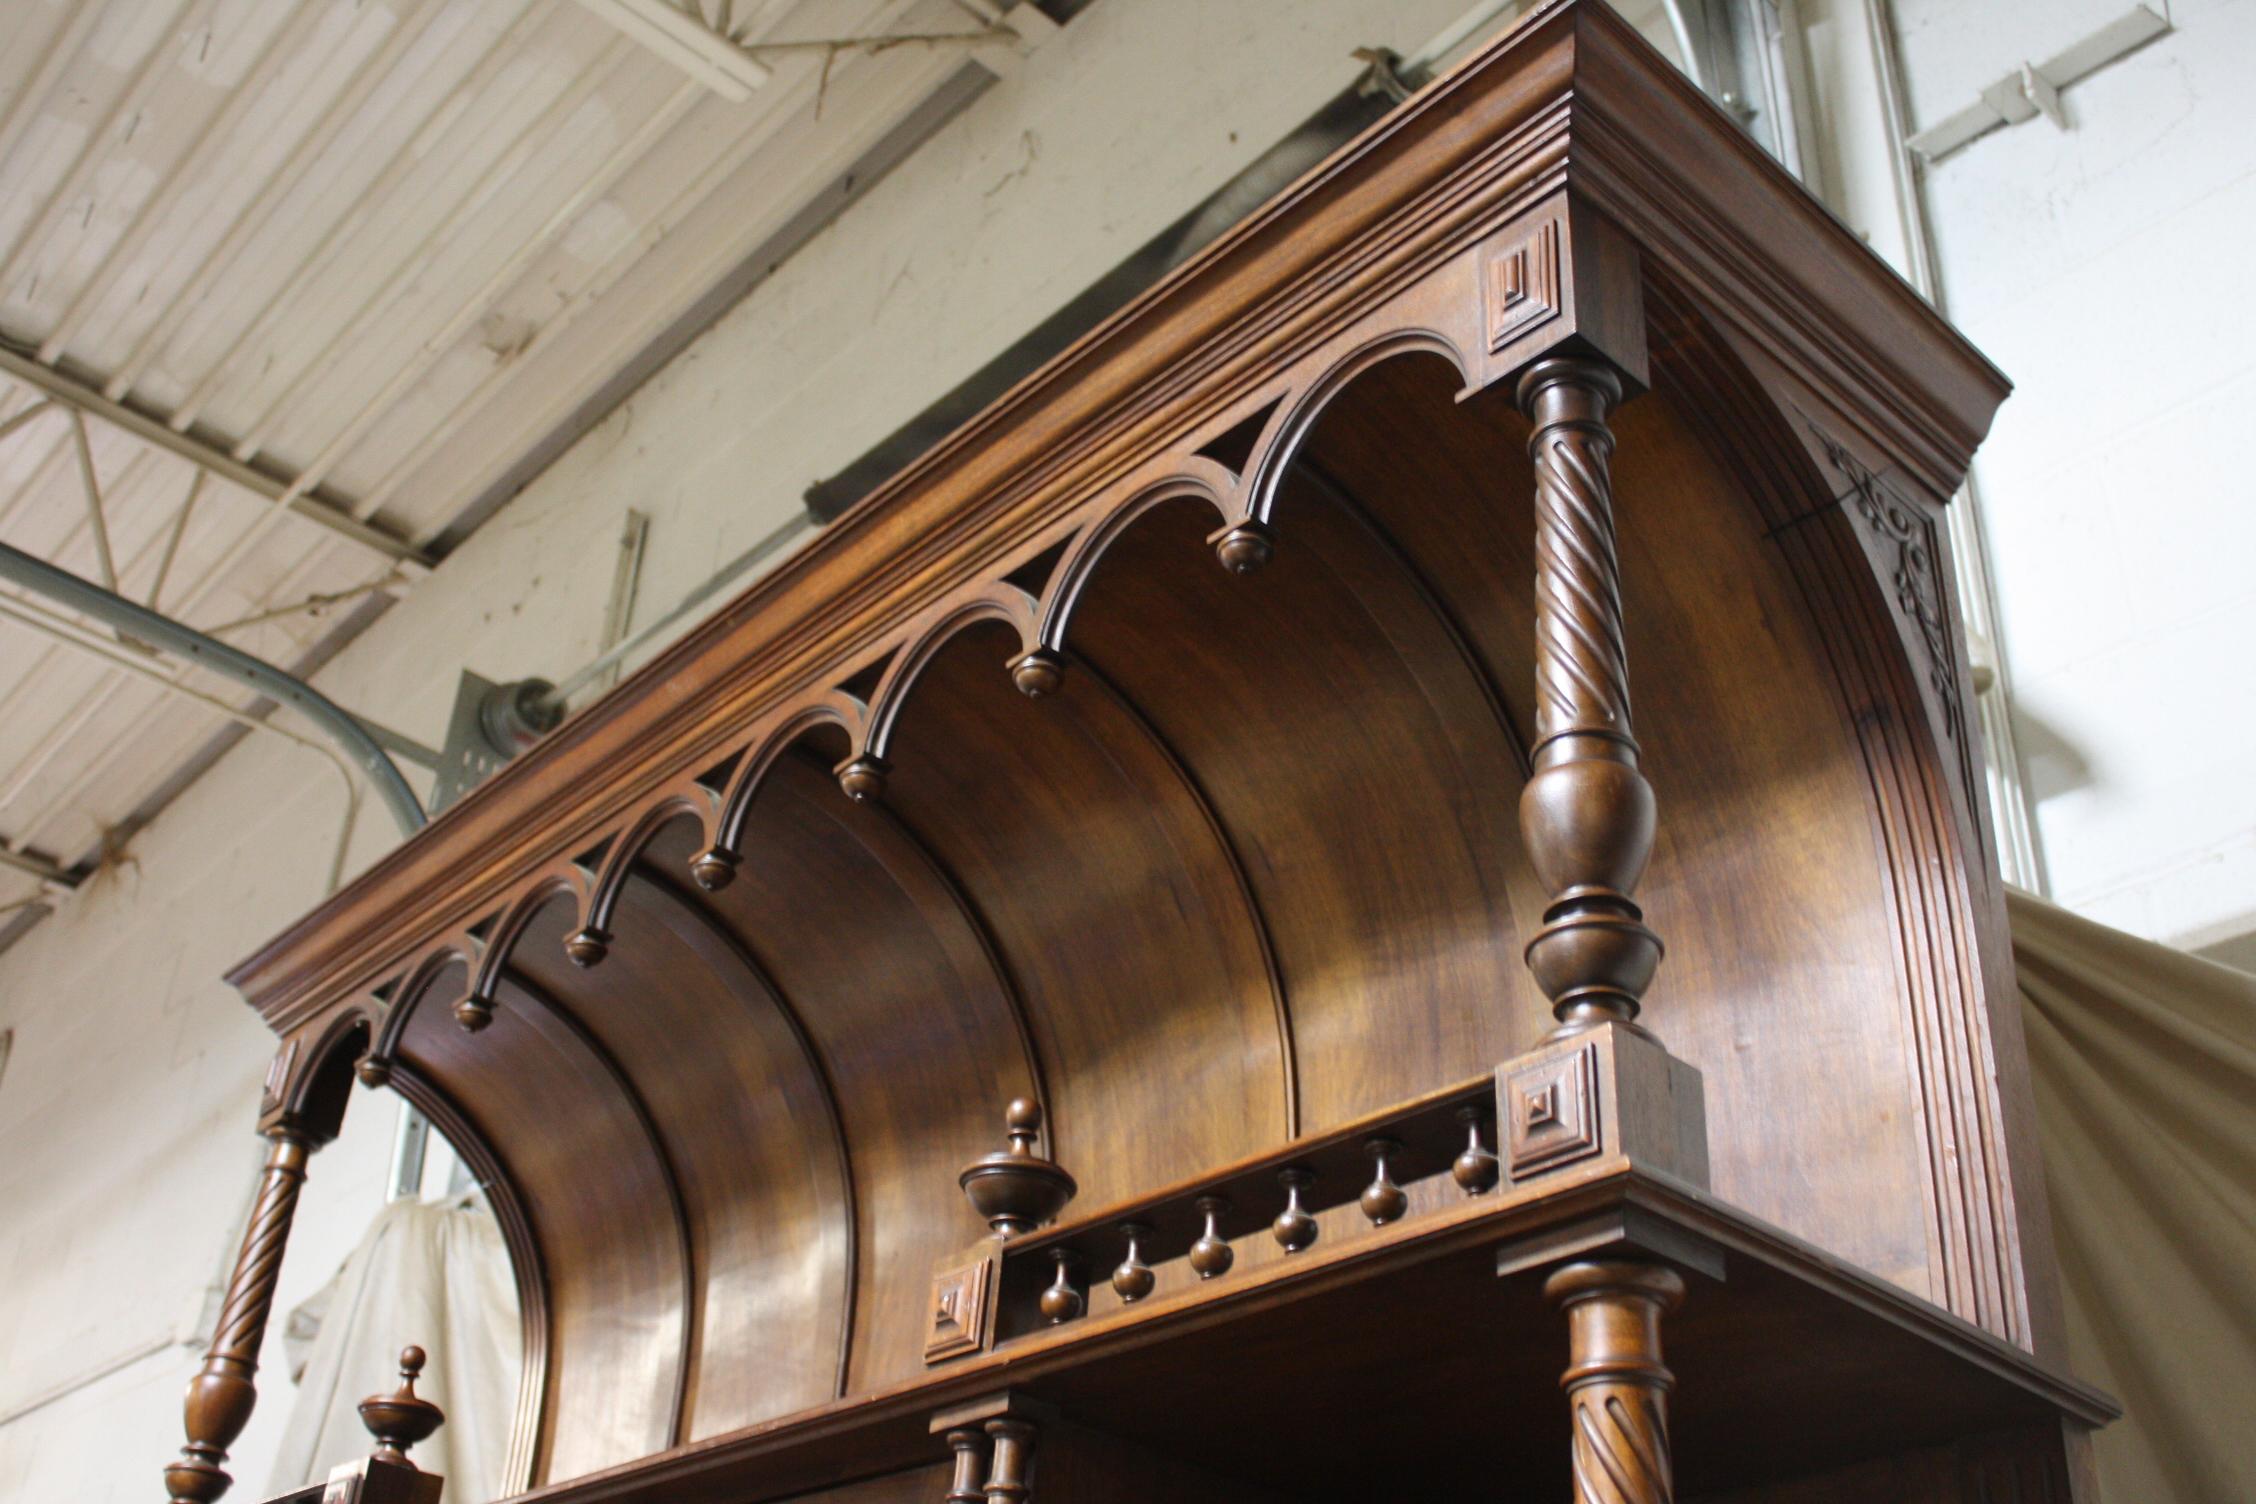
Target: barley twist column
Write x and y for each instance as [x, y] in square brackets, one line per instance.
[1587, 813]
[1617, 1386]
[221, 1394]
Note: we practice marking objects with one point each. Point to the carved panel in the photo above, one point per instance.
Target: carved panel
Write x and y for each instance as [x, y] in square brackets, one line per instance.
[1898, 524]
[278, 1076]
[1551, 1113]
[962, 1310]
[1521, 285]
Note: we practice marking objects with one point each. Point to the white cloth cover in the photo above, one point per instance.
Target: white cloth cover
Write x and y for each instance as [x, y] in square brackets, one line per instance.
[437, 1277]
[2145, 1066]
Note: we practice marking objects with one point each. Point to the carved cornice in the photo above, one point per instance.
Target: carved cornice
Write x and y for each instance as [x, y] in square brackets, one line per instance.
[1383, 239]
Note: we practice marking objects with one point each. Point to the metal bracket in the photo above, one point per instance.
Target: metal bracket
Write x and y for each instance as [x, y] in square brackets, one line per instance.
[2033, 89]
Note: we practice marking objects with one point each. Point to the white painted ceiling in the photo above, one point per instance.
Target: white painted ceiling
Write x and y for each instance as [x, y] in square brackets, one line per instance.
[385, 253]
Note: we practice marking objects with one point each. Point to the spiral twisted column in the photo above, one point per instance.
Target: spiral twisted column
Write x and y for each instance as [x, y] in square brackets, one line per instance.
[1587, 812]
[1617, 1387]
[221, 1395]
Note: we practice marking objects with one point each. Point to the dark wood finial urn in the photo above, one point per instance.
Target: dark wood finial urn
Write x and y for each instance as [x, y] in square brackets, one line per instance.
[1015, 1189]
[402, 1418]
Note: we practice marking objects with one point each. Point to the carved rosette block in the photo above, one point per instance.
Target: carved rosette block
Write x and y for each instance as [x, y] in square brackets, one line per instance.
[1608, 1092]
[1617, 1386]
[219, 1398]
[1587, 813]
[963, 1306]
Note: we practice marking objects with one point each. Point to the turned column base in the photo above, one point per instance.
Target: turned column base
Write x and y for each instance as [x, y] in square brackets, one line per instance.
[1617, 1386]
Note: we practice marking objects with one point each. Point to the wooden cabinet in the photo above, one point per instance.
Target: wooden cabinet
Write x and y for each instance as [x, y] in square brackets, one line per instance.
[1225, 744]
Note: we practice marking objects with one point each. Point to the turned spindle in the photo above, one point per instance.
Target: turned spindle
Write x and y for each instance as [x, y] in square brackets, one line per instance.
[402, 1418]
[1382, 1200]
[1211, 1256]
[969, 1447]
[1133, 1280]
[1617, 1386]
[1476, 1170]
[1016, 1190]
[1061, 1302]
[1587, 813]
[1010, 1476]
[1294, 1228]
[219, 1398]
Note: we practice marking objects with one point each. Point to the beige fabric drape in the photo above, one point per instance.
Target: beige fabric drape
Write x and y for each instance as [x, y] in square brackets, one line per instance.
[437, 1277]
[2145, 1067]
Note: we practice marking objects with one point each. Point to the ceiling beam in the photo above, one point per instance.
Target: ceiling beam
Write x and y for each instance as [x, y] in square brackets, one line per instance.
[33, 864]
[321, 508]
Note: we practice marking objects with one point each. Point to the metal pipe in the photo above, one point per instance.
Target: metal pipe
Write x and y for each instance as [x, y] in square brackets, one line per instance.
[136, 620]
[25, 614]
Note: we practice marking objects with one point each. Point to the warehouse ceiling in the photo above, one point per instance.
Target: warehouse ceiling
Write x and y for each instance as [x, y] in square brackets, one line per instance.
[293, 292]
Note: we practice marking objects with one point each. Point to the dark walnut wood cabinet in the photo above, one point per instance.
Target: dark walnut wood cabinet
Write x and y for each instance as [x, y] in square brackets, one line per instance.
[1215, 766]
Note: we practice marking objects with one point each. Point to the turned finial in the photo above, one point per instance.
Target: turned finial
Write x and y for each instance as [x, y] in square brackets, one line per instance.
[714, 868]
[1016, 1189]
[863, 779]
[402, 1418]
[1244, 548]
[587, 946]
[1038, 674]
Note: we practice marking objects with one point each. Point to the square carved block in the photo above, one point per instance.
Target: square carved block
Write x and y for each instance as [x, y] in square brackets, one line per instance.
[962, 1309]
[1522, 284]
[1613, 1094]
[1551, 1112]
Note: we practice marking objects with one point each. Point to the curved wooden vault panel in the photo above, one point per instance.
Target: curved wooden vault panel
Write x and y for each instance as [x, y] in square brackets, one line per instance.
[1114, 906]
[537, 1090]
[750, 1121]
[905, 1002]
